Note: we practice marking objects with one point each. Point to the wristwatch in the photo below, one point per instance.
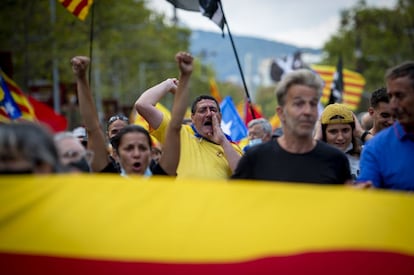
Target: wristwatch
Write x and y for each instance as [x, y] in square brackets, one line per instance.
[364, 135]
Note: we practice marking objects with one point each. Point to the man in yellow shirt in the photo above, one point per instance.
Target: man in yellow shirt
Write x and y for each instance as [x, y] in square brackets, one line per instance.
[206, 152]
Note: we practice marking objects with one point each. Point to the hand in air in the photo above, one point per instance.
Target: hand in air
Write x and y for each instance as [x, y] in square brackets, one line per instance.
[80, 65]
[185, 62]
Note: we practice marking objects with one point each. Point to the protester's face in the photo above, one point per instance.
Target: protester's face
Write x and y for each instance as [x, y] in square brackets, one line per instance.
[256, 131]
[300, 112]
[401, 94]
[382, 116]
[115, 127]
[71, 150]
[202, 117]
[339, 135]
[134, 153]
[156, 153]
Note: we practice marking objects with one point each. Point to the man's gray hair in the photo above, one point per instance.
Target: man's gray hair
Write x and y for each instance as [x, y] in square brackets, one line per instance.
[267, 127]
[298, 77]
[29, 141]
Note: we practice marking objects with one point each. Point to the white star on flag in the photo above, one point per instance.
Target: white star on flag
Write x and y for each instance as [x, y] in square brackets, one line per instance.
[231, 123]
[226, 126]
[10, 108]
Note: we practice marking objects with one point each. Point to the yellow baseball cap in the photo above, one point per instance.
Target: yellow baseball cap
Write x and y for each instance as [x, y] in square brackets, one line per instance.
[336, 113]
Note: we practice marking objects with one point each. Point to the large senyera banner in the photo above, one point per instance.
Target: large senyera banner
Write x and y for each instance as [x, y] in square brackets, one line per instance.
[112, 225]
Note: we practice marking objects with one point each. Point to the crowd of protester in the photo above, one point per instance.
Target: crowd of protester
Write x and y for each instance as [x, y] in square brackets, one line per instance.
[373, 150]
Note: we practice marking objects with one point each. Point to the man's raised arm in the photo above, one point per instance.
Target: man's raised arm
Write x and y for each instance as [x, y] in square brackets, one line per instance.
[145, 104]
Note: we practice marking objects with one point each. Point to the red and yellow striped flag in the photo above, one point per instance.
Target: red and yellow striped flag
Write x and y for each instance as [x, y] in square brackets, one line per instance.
[353, 85]
[97, 224]
[79, 8]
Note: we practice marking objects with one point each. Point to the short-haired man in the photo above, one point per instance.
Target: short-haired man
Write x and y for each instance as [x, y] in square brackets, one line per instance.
[206, 152]
[296, 156]
[380, 113]
[259, 130]
[387, 159]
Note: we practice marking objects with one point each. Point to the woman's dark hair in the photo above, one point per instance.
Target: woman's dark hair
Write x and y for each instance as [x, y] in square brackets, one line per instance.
[116, 140]
[114, 118]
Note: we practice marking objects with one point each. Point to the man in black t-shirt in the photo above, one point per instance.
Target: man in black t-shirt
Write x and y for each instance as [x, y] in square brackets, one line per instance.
[296, 156]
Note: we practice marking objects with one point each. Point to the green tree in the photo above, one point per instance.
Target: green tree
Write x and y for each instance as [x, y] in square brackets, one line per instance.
[266, 98]
[133, 47]
[371, 40]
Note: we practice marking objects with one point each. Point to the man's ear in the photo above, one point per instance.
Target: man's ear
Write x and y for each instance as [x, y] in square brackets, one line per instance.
[279, 112]
[371, 111]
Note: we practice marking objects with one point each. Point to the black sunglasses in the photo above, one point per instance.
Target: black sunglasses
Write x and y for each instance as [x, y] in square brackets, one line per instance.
[117, 117]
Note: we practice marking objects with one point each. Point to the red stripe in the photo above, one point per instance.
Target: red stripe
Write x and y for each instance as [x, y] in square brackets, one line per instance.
[3, 113]
[331, 73]
[23, 108]
[66, 3]
[354, 84]
[353, 93]
[338, 262]
[80, 7]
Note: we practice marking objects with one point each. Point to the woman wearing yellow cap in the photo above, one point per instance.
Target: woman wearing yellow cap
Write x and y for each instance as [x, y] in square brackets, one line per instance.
[338, 127]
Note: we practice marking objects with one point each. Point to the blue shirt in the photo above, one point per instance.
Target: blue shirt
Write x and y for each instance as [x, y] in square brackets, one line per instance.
[388, 159]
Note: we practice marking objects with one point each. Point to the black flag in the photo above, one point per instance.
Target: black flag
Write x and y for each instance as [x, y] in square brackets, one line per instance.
[212, 9]
[337, 88]
[209, 8]
[191, 5]
[282, 66]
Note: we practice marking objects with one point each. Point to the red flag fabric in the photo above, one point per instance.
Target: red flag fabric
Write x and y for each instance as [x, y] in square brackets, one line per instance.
[47, 115]
[248, 113]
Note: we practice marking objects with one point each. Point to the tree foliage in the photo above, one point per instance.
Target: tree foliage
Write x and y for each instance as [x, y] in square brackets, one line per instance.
[371, 40]
[133, 47]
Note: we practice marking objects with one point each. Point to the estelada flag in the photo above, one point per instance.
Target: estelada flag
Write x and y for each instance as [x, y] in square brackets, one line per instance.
[78, 8]
[14, 104]
[97, 224]
[231, 122]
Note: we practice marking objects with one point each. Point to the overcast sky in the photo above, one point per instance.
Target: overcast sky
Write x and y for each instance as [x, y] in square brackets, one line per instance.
[305, 23]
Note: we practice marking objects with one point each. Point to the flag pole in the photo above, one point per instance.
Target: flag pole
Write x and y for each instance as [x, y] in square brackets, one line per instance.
[98, 100]
[91, 43]
[249, 101]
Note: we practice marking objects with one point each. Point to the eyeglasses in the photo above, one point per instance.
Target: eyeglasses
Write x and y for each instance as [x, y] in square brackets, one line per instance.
[112, 119]
[73, 155]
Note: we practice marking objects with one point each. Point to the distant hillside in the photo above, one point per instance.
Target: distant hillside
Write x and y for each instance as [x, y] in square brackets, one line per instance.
[218, 51]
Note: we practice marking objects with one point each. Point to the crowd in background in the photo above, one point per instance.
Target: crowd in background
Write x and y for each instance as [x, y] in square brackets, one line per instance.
[374, 149]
